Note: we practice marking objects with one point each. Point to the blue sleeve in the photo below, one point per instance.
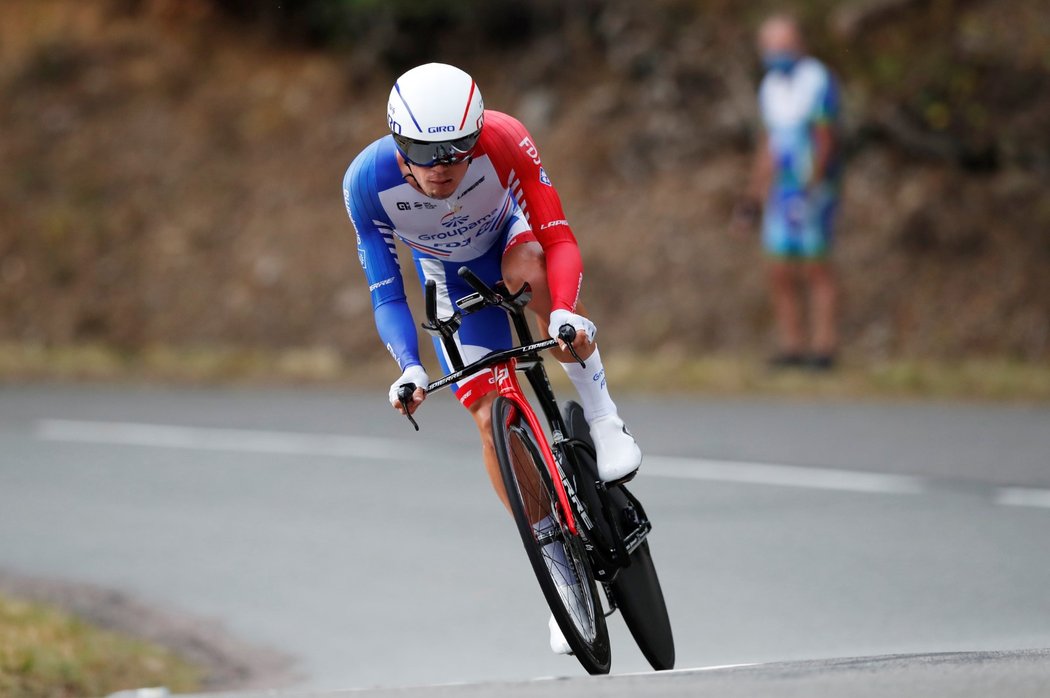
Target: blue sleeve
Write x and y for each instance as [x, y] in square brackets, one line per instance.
[828, 107]
[378, 257]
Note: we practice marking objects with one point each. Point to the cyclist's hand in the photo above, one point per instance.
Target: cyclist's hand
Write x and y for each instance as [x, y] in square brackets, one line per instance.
[417, 376]
[585, 329]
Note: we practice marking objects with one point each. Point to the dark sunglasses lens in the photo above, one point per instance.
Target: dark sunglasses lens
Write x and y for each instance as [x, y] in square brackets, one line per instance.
[466, 143]
[426, 154]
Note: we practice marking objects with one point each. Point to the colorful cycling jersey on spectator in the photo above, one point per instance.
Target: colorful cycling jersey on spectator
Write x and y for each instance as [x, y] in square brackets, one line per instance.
[798, 219]
[505, 191]
[793, 102]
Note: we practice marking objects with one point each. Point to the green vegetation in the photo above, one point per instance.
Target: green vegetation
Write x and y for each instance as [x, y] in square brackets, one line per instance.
[47, 654]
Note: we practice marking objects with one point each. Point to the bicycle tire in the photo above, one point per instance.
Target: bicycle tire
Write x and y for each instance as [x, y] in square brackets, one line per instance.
[576, 606]
[636, 588]
[641, 600]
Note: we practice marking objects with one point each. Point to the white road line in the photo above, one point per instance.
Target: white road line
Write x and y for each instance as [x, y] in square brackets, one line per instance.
[343, 446]
[1023, 497]
[781, 475]
[693, 670]
[232, 440]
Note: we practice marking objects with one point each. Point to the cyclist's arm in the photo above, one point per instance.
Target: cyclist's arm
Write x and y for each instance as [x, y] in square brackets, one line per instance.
[517, 159]
[375, 250]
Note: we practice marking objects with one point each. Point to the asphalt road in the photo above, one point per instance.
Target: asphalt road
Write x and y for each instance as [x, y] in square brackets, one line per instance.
[1021, 674]
[319, 524]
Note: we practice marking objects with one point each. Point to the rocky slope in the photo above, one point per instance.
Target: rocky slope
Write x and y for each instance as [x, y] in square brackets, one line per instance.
[172, 171]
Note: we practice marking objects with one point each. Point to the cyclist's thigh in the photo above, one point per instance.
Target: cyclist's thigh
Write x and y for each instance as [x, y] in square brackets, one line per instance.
[480, 332]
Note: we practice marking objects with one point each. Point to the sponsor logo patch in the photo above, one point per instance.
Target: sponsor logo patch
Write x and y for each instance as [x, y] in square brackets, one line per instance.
[544, 178]
[470, 188]
[530, 149]
[452, 219]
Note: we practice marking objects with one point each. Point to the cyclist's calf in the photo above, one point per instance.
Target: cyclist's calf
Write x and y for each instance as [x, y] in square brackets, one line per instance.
[481, 411]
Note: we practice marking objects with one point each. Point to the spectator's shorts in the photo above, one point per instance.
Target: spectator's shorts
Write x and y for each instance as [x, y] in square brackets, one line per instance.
[795, 225]
[481, 332]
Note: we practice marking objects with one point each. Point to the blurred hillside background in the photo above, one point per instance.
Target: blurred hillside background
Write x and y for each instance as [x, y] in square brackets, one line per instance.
[171, 168]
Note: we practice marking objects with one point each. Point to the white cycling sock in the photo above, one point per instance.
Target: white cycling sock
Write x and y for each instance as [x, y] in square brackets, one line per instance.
[590, 384]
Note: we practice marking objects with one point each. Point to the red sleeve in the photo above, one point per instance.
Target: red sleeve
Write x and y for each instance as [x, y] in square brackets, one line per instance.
[517, 161]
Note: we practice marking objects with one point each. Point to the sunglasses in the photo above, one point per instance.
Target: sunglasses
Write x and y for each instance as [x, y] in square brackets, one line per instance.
[428, 154]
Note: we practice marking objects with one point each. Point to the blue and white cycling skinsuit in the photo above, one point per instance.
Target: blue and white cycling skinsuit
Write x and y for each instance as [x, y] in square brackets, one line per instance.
[505, 199]
[797, 223]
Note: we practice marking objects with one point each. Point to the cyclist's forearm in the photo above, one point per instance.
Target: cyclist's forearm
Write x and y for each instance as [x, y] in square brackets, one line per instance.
[564, 274]
[398, 332]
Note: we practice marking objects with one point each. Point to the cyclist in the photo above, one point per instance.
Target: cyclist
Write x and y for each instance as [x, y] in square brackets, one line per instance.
[462, 185]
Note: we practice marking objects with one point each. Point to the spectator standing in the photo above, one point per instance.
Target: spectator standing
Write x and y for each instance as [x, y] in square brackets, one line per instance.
[795, 185]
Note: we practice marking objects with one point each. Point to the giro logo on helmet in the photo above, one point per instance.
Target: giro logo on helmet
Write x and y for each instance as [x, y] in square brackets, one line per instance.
[441, 129]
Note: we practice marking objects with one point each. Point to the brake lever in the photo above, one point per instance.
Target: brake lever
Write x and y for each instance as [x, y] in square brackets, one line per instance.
[567, 334]
[404, 396]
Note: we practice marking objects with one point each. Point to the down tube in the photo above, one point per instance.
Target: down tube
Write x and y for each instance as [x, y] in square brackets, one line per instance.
[510, 389]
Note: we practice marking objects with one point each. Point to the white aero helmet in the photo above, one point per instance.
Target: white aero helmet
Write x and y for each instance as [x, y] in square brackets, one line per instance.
[435, 114]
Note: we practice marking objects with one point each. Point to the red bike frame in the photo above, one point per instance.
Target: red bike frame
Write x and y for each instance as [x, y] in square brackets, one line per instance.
[507, 384]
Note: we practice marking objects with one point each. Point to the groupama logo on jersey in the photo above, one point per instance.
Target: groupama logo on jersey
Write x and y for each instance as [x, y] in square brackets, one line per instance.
[452, 219]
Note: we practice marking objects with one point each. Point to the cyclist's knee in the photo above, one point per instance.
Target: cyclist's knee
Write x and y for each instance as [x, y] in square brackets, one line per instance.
[481, 411]
[525, 263]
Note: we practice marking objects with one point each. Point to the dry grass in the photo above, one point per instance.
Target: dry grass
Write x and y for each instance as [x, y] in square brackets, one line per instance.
[719, 375]
[45, 653]
[972, 379]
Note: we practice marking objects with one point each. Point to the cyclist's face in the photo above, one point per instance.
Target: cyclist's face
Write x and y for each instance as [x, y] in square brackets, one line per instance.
[440, 181]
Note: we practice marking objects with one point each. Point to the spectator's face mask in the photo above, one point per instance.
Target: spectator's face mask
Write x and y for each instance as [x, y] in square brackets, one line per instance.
[780, 61]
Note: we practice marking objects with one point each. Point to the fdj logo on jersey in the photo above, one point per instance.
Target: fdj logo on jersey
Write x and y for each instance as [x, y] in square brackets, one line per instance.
[452, 219]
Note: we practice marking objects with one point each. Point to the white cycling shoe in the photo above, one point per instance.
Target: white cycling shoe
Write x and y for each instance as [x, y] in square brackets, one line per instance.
[618, 453]
[559, 645]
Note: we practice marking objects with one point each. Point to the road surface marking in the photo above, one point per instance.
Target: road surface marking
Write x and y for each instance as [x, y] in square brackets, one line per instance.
[232, 440]
[781, 475]
[1023, 497]
[344, 446]
[694, 670]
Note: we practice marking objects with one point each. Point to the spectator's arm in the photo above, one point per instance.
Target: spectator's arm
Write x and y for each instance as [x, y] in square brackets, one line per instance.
[761, 171]
[823, 147]
[823, 131]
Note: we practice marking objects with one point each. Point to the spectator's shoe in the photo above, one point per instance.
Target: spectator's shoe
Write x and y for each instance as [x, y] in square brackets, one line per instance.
[787, 360]
[821, 362]
[558, 643]
[618, 453]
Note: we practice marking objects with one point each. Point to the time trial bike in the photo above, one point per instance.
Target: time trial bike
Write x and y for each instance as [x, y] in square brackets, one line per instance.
[580, 534]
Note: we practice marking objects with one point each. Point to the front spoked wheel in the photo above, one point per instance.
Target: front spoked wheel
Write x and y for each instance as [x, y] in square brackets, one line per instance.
[558, 557]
